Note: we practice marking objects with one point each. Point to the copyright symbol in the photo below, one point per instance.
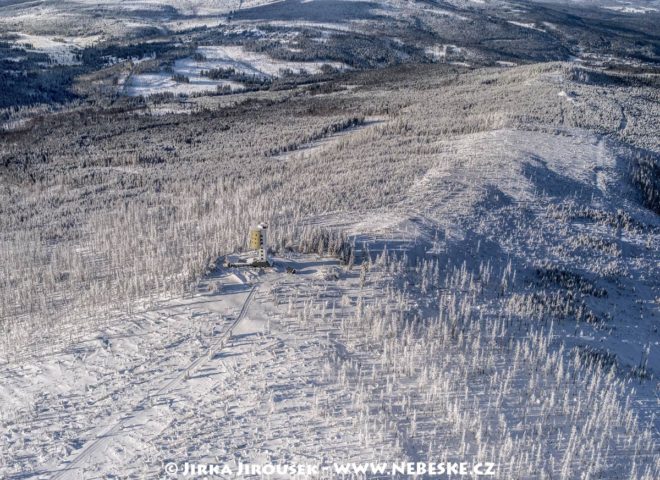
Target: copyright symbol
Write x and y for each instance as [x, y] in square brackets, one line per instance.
[171, 468]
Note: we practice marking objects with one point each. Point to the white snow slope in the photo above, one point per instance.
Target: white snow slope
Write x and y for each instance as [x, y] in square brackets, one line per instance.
[454, 342]
[236, 57]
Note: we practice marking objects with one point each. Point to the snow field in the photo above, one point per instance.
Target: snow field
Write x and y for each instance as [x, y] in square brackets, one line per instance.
[106, 383]
[236, 57]
[486, 336]
[146, 84]
[389, 361]
[61, 50]
[255, 63]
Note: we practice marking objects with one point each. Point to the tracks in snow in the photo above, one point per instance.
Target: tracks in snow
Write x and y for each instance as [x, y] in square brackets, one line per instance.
[318, 144]
[144, 403]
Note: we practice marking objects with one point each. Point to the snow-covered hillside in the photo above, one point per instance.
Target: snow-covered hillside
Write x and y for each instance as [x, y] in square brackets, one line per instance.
[325, 366]
[235, 58]
[463, 209]
[481, 322]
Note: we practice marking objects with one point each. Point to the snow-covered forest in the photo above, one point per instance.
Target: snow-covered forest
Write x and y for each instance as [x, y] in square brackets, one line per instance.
[463, 213]
[132, 206]
[523, 209]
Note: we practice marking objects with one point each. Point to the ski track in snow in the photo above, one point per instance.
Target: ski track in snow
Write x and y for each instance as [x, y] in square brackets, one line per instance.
[258, 385]
[317, 146]
[107, 434]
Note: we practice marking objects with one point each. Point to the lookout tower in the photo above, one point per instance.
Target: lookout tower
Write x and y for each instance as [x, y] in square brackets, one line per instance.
[258, 242]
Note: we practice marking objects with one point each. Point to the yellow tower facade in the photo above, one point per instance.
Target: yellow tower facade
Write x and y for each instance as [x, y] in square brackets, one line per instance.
[257, 242]
[256, 239]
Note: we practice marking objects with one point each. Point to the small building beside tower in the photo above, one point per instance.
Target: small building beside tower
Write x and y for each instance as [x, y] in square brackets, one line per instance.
[257, 254]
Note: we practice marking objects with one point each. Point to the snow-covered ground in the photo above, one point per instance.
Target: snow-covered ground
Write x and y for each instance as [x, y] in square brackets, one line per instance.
[448, 346]
[236, 57]
[60, 50]
[441, 51]
[530, 25]
[146, 84]
[126, 373]
[538, 178]
[327, 365]
[316, 147]
[245, 61]
[631, 8]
